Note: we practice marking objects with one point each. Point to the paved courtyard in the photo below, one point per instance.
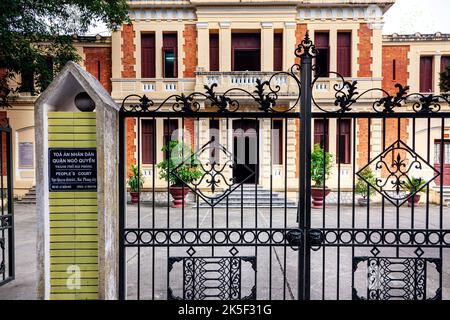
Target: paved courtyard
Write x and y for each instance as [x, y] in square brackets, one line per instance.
[272, 263]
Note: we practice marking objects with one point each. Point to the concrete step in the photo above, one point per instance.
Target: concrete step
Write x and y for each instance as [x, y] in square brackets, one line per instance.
[248, 199]
[29, 197]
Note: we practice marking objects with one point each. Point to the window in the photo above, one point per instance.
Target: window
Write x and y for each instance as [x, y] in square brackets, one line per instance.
[148, 55]
[321, 133]
[445, 62]
[394, 69]
[344, 57]
[277, 142]
[323, 59]
[27, 83]
[426, 74]
[26, 155]
[214, 132]
[169, 127]
[213, 52]
[169, 54]
[343, 141]
[437, 152]
[278, 51]
[148, 138]
[246, 51]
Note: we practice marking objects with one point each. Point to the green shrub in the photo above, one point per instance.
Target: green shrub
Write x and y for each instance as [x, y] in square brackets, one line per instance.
[181, 166]
[135, 179]
[320, 160]
[361, 187]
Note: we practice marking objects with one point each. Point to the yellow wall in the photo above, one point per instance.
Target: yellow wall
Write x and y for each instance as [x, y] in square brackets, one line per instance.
[73, 216]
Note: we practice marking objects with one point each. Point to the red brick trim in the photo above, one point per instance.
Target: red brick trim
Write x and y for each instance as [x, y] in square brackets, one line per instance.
[365, 47]
[102, 55]
[128, 50]
[190, 60]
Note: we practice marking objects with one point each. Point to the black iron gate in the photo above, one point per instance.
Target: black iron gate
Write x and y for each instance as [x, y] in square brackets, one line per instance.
[253, 233]
[6, 205]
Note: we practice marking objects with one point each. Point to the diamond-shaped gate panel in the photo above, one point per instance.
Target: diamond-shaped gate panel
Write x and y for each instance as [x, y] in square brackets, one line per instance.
[400, 173]
[217, 165]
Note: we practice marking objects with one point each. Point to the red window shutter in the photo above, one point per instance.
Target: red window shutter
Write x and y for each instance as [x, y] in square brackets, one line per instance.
[245, 41]
[426, 74]
[278, 52]
[213, 52]
[148, 55]
[343, 141]
[148, 129]
[169, 127]
[322, 42]
[445, 61]
[344, 40]
[321, 133]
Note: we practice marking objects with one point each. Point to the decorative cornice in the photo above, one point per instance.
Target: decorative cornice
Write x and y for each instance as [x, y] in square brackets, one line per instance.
[224, 25]
[438, 36]
[371, 12]
[161, 14]
[290, 25]
[202, 25]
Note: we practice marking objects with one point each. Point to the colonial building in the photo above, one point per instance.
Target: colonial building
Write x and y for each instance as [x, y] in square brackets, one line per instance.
[175, 47]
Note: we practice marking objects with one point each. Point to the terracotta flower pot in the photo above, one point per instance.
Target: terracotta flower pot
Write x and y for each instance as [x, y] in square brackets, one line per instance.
[415, 199]
[134, 197]
[318, 195]
[363, 202]
[179, 196]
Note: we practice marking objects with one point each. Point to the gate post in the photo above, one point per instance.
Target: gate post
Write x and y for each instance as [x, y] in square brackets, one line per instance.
[77, 188]
[306, 51]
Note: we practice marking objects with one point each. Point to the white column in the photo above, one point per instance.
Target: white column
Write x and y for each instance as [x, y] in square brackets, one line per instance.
[266, 46]
[158, 54]
[203, 46]
[289, 44]
[225, 46]
[333, 50]
[436, 71]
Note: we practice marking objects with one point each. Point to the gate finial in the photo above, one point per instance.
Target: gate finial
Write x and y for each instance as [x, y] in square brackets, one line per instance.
[306, 48]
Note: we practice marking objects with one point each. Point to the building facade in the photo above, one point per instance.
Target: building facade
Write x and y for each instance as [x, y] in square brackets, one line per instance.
[182, 45]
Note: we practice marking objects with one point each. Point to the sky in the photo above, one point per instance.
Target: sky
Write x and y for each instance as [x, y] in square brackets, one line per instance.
[404, 17]
[424, 16]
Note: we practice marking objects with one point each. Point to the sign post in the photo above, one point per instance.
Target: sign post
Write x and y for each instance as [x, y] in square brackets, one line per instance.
[77, 160]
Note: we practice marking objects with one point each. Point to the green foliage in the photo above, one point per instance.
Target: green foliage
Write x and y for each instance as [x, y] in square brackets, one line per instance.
[413, 184]
[320, 160]
[137, 178]
[182, 160]
[34, 31]
[444, 83]
[361, 186]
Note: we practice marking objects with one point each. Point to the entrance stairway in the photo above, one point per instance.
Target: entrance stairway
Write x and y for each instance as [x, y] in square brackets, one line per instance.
[29, 197]
[445, 194]
[248, 199]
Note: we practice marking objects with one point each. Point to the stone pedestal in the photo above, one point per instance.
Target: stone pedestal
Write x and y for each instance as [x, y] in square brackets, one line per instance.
[77, 193]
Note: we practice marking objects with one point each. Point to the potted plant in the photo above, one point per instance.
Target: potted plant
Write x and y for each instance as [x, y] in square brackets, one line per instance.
[179, 168]
[412, 185]
[135, 182]
[362, 188]
[320, 169]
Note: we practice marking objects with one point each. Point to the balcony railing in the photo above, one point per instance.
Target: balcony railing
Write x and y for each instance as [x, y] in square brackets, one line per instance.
[246, 80]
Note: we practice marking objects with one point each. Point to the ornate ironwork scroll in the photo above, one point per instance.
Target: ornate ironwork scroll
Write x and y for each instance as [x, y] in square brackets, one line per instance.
[391, 278]
[217, 172]
[397, 167]
[211, 278]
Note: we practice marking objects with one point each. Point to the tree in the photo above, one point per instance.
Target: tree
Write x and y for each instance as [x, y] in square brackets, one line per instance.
[444, 83]
[36, 35]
